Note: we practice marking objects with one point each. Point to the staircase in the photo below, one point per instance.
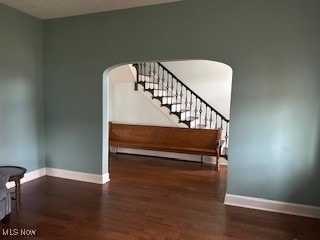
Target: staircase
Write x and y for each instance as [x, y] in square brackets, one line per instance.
[191, 110]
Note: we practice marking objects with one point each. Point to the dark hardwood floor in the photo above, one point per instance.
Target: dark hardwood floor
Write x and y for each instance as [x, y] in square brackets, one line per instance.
[148, 198]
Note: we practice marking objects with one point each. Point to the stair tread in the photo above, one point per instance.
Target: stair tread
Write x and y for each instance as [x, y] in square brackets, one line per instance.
[144, 74]
[166, 104]
[152, 81]
[202, 126]
[170, 96]
[156, 89]
[164, 96]
[189, 119]
[182, 111]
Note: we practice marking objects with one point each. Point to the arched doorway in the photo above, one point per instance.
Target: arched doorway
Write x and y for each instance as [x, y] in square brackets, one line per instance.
[212, 80]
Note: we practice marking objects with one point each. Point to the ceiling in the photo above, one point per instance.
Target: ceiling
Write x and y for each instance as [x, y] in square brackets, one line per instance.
[46, 9]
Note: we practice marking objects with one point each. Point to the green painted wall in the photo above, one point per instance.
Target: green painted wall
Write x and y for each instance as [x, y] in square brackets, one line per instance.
[273, 48]
[21, 100]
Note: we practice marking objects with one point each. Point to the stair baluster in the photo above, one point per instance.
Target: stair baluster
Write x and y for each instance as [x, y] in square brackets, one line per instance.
[200, 118]
[144, 71]
[162, 84]
[153, 75]
[206, 118]
[196, 109]
[186, 105]
[216, 125]
[177, 94]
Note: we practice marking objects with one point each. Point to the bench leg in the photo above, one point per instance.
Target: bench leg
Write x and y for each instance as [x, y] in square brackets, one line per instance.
[217, 162]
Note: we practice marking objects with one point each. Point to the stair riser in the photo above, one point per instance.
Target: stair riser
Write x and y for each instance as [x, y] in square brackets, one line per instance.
[166, 100]
[161, 93]
[179, 107]
[153, 85]
[185, 115]
[182, 115]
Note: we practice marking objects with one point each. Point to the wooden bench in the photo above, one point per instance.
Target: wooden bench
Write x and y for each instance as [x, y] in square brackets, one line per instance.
[169, 139]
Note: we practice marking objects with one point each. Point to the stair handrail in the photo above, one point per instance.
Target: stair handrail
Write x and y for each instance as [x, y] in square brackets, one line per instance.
[212, 108]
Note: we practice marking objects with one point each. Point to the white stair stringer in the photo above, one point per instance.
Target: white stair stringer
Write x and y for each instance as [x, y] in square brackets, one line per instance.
[173, 118]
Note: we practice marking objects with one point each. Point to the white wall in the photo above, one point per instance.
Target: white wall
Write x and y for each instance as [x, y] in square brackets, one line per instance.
[129, 106]
[210, 80]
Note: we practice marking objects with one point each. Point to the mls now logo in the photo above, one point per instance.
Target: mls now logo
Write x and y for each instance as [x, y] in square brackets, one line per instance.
[15, 232]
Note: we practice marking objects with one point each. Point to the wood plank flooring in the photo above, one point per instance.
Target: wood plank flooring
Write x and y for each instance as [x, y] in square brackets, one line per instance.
[148, 198]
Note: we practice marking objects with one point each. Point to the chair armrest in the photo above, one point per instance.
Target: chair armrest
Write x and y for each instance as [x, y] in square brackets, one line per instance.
[3, 179]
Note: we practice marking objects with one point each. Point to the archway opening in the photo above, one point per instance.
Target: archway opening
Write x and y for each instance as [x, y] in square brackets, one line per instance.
[210, 80]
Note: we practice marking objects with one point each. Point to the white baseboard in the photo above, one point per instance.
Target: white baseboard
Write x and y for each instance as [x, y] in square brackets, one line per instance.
[54, 172]
[105, 178]
[178, 156]
[272, 206]
[78, 176]
[29, 176]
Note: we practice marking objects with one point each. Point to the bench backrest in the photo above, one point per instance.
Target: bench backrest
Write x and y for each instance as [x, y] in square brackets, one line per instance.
[187, 140]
